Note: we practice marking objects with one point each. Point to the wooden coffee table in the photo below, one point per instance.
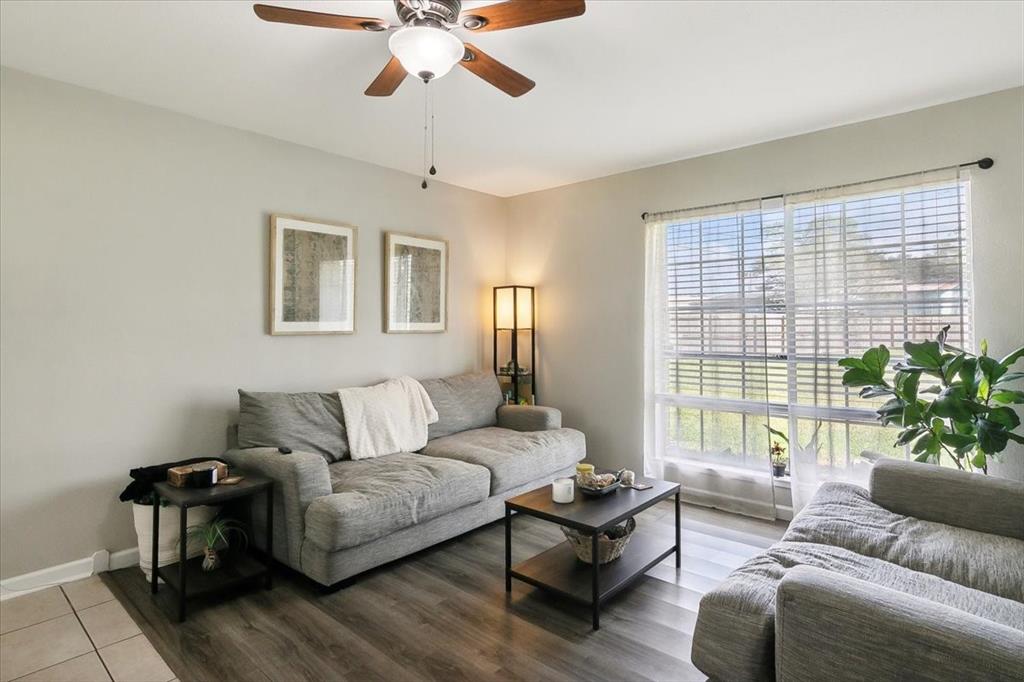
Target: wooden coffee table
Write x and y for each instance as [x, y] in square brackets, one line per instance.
[558, 570]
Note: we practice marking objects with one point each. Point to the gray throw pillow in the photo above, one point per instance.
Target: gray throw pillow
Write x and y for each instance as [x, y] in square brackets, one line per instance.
[310, 422]
[463, 402]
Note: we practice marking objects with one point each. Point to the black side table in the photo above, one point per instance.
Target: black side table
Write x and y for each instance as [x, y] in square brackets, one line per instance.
[187, 578]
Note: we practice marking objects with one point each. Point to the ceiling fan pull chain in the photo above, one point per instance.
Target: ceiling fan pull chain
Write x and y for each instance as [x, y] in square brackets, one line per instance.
[425, 120]
[430, 97]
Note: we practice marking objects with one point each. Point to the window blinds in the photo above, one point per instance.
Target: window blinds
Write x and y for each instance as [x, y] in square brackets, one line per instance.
[750, 305]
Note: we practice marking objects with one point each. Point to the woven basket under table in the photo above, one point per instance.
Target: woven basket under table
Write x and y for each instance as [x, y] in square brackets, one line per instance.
[608, 549]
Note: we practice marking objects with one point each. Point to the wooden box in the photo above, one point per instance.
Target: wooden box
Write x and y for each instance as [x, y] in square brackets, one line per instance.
[181, 477]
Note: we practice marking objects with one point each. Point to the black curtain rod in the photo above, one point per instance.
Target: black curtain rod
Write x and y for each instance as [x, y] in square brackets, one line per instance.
[983, 164]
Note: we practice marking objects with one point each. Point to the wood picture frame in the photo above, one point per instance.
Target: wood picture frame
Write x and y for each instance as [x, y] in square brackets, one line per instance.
[312, 276]
[415, 288]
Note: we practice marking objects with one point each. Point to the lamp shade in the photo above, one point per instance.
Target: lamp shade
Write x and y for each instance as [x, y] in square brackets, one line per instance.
[513, 307]
[425, 51]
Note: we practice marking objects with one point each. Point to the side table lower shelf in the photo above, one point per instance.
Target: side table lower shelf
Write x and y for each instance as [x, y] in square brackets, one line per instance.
[236, 569]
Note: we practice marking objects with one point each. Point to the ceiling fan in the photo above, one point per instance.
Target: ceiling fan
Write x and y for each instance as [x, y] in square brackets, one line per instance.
[425, 46]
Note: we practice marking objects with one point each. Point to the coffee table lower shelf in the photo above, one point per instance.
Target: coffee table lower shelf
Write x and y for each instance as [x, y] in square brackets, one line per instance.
[558, 570]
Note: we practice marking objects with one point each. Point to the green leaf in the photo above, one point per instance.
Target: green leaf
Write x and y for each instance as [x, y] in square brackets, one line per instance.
[958, 440]
[1012, 357]
[950, 404]
[992, 436]
[991, 369]
[852, 363]
[984, 347]
[875, 391]
[893, 411]
[779, 434]
[952, 366]
[923, 457]
[978, 460]
[1012, 376]
[1005, 416]
[875, 361]
[1016, 437]
[1006, 396]
[906, 385]
[928, 443]
[969, 376]
[926, 354]
[984, 388]
[911, 414]
[908, 434]
[856, 376]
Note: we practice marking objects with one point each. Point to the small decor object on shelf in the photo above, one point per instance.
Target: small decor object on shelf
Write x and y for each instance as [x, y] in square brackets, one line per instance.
[312, 276]
[779, 459]
[597, 485]
[584, 468]
[610, 544]
[628, 478]
[183, 476]
[204, 475]
[415, 284]
[216, 536]
[563, 490]
[947, 400]
[514, 328]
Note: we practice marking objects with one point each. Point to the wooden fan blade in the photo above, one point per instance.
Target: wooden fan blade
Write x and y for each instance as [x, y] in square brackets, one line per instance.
[285, 15]
[515, 13]
[388, 80]
[496, 73]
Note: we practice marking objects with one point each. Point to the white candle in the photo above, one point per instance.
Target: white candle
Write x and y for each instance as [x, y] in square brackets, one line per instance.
[562, 490]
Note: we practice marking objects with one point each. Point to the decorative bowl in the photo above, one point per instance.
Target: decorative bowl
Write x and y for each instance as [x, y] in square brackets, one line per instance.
[600, 492]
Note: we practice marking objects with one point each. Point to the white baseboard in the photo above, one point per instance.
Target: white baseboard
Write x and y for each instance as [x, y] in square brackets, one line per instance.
[124, 559]
[65, 573]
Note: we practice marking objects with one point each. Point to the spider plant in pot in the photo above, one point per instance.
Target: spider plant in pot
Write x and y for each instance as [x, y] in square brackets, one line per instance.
[216, 535]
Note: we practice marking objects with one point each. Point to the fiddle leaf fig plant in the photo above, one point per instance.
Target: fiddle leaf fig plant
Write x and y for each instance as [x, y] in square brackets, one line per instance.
[963, 411]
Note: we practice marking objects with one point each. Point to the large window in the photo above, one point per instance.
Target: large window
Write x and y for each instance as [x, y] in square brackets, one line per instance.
[749, 307]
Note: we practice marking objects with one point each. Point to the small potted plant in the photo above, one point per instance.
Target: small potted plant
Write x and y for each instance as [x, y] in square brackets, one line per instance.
[215, 535]
[779, 458]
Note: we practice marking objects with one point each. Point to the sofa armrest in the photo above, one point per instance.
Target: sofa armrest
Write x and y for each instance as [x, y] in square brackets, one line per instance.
[830, 626]
[529, 417]
[957, 498]
[299, 478]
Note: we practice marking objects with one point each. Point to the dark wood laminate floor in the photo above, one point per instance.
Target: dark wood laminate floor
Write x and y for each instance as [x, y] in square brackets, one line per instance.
[443, 614]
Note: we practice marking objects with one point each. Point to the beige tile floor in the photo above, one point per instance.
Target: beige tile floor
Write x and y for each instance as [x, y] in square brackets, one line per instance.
[76, 632]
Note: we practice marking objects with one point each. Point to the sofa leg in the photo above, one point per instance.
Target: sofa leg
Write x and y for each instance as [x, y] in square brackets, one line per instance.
[340, 585]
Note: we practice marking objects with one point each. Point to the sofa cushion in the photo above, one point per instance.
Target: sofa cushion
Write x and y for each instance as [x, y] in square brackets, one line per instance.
[466, 401]
[735, 631]
[513, 457]
[374, 497]
[843, 515]
[309, 422]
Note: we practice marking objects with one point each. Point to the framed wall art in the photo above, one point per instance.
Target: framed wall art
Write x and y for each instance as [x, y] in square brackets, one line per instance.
[312, 276]
[415, 283]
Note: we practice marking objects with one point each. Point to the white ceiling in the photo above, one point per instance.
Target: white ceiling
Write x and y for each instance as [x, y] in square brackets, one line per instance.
[629, 84]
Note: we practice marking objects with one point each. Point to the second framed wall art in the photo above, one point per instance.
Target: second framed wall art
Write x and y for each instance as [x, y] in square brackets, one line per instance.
[415, 284]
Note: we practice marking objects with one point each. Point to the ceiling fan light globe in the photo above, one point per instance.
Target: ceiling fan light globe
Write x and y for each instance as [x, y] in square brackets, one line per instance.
[426, 52]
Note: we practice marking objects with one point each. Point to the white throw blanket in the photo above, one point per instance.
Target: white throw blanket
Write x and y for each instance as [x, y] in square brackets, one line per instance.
[387, 418]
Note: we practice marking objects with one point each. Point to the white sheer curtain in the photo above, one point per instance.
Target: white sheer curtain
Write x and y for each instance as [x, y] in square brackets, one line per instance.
[750, 305]
[707, 375]
[875, 263]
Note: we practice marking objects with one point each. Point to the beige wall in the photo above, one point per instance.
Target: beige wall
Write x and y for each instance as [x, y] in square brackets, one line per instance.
[582, 245]
[134, 279]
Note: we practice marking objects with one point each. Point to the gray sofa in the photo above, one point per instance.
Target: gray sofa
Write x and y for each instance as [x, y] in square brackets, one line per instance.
[335, 517]
[921, 578]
